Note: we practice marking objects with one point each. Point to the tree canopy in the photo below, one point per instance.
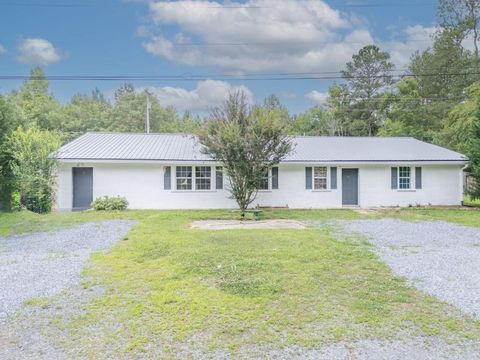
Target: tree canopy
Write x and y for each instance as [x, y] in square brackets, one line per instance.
[248, 141]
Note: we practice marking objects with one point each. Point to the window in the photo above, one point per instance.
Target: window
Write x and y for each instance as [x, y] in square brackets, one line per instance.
[202, 177]
[193, 178]
[264, 182]
[184, 177]
[404, 177]
[320, 177]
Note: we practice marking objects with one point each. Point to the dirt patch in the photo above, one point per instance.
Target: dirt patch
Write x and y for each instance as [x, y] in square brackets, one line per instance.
[246, 224]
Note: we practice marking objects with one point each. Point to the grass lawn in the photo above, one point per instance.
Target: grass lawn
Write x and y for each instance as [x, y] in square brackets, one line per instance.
[169, 286]
[468, 201]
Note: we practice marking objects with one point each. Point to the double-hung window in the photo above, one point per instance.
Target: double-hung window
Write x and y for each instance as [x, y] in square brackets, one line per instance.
[203, 177]
[184, 177]
[193, 177]
[404, 178]
[264, 182]
[320, 177]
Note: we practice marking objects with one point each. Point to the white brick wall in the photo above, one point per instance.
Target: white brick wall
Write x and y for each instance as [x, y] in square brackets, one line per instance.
[142, 185]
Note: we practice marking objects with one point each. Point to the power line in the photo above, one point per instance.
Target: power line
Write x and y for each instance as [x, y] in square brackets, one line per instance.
[47, 5]
[251, 77]
[282, 43]
[220, 7]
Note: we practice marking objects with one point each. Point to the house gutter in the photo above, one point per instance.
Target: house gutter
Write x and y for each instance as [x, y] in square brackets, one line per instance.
[292, 162]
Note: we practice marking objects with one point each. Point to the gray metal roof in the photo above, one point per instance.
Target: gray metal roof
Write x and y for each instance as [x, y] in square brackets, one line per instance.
[185, 147]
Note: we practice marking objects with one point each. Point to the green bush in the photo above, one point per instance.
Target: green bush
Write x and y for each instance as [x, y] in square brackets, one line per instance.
[110, 203]
[31, 166]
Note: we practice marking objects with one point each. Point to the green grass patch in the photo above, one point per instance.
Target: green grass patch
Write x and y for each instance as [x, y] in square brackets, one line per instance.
[25, 221]
[40, 302]
[463, 216]
[169, 285]
[468, 201]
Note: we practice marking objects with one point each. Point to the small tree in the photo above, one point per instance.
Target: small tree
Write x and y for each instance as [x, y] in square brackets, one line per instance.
[247, 141]
[32, 166]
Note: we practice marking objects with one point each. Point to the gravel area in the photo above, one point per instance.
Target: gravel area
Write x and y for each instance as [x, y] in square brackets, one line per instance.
[440, 258]
[43, 264]
[412, 348]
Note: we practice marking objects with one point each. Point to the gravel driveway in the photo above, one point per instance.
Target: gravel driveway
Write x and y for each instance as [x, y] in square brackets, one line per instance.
[437, 257]
[43, 264]
[440, 258]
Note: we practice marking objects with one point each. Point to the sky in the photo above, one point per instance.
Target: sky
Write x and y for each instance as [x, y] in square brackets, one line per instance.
[211, 48]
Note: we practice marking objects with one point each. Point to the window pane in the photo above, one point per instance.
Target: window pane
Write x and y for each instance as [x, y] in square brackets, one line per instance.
[404, 177]
[184, 177]
[202, 171]
[203, 177]
[184, 184]
[404, 183]
[404, 172]
[320, 177]
[184, 171]
[320, 183]
[202, 184]
[320, 171]
[264, 182]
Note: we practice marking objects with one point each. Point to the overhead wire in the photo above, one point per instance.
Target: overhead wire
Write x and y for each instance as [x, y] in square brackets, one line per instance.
[249, 77]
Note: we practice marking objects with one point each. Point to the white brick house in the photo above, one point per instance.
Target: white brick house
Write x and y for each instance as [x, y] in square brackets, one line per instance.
[168, 171]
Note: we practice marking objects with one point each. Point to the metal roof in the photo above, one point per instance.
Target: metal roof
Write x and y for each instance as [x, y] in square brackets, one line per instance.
[185, 147]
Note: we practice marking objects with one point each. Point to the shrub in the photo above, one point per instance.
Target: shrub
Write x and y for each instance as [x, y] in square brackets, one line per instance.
[31, 166]
[110, 203]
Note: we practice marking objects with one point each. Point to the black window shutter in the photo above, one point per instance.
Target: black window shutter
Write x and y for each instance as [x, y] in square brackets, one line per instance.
[394, 177]
[333, 178]
[418, 178]
[167, 183]
[308, 178]
[274, 177]
[218, 178]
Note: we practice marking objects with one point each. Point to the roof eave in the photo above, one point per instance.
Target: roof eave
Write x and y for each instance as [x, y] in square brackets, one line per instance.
[309, 162]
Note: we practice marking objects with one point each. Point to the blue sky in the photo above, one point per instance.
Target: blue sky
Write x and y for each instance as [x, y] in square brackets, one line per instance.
[107, 37]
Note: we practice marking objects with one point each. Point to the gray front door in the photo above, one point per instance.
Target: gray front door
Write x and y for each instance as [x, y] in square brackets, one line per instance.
[350, 186]
[82, 188]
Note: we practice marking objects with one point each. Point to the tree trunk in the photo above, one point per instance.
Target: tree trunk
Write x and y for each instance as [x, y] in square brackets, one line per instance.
[475, 36]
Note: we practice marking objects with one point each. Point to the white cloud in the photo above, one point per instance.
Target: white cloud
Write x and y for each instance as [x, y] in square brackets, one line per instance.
[256, 35]
[37, 51]
[207, 94]
[319, 98]
[417, 37]
[2, 49]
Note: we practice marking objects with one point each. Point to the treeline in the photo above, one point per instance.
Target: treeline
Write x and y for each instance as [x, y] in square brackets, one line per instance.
[33, 104]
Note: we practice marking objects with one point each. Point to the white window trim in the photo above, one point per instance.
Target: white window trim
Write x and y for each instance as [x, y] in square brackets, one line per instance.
[327, 189]
[191, 178]
[269, 189]
[411, 183]
[194, 185]
[203, 177]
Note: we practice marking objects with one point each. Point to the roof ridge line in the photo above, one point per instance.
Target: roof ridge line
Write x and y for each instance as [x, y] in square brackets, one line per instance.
[290, 135]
